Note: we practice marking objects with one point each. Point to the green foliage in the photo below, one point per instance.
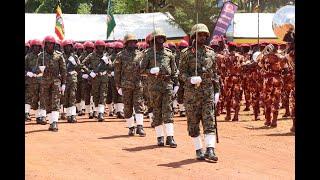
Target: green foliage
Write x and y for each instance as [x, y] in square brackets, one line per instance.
[47, 6]
[32, 5]
[84, 8]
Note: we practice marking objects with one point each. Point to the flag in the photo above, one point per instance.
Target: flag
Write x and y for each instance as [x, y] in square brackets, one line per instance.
[111, 23]
[59, 28]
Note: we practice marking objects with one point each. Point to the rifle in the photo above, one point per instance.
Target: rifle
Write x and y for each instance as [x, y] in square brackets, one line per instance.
[215, 121]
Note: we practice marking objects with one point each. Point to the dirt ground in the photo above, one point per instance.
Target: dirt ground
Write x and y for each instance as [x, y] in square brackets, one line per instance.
[102, 150]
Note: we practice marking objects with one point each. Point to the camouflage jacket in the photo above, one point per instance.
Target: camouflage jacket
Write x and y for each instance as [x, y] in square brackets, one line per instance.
[31, 63]
[94, 63]
[55, 65]
[165, 61]
[72, 69]
[127, 69]
[206, 68]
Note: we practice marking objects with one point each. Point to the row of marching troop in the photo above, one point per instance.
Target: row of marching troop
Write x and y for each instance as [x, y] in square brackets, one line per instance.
[131, 79]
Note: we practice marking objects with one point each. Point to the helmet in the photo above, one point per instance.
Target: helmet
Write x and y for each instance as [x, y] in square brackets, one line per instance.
[165, 45]
[183, 43]
[78, 46]
[199, 28]
[214, 42]
[244, 45]
[108, 45]
[129, 37]
[100, 43]
[67, 42]
[118, 45]
[35, 42]
[88, 44]
[159, 32]
[149, 38]
[49, 39]
[230, 43]
[171, 44]
[27, 44]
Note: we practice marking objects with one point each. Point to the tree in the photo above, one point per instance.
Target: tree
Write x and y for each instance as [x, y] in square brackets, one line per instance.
[32, 5]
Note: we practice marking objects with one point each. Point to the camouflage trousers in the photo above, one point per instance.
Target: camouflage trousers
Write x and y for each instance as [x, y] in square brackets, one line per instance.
[146, 93]
[99, 89]
[86, 87]
[232, 99]
[272, 94]
[32, 92]
[50, 94]
[79, 92]
[180, 93]
[112, 93]
[161, 102]
[247, 95]
[69, 97]
[132, 99]
[199, 107]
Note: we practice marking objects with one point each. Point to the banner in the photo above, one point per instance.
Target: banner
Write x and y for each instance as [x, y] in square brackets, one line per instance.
[111, 23]
[59, 28]
[226, 15]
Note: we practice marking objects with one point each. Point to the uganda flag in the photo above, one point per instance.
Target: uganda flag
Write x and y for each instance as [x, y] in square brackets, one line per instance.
[59, 28]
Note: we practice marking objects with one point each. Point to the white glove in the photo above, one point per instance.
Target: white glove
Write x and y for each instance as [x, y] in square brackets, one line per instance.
[154, 70]
[175, 89]
[105, 59]
[216, 98]
[72, 60]
[85, 76]
[63, 88]
[92, 74]
[196, 80]
[120, 91]
[30, 74]
[112, 73]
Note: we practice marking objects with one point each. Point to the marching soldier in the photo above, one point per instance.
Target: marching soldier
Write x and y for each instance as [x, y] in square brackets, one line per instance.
[53, 67]
[86, 81]
[32, 80]
[80, 104]
[72, 66]
[98, 65]
[128, 83]
[159, 64]
[27, 48]
[198, 74]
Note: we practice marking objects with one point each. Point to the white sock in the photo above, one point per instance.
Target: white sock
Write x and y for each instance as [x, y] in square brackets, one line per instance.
[78, 107]
[175, 104]
[54, 116]
[130, 122]
[38, 113]
[169, 129]
[159, 131]
[150, 117]
[120, 107]
[101, 108]
[67, 111]
[197, 142]
[82, 105]
[210, 140]
[139, 119]
[27, 108]
[73, 111]
[110, 107]
[88, 109]
[181, 107]
[43, 112]
[49, 118]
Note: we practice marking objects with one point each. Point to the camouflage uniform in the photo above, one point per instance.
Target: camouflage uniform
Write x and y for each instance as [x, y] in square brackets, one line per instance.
[95, 65]
[54, 76]
[69, 97]
[128, 79]
[199, 97]
[161, 88]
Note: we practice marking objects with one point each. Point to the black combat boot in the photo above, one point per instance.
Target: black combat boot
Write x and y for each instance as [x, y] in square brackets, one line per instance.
[69, 119]
[100, 117]
[73, 119]
[91, 115]
[131, 131]
[110, 114]
[160, 141]
[170, 141]
[27, 117]
[200, 154]
[53, 127]
[182, 114]
[210, 154]
[38, 120]
[95, 115]
[43, 120]
[140, 131]
[120, 115]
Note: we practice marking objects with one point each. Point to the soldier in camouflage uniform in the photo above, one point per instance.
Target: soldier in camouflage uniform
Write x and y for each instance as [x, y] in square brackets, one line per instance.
[80, 104]
[159, 64]
[73, 67]
[128, 83]
[199, 76]
[27, 48]
[182, 110]
[98, 65]
[86, 81]
[53, 80]
[113, 95]
[32, 81]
